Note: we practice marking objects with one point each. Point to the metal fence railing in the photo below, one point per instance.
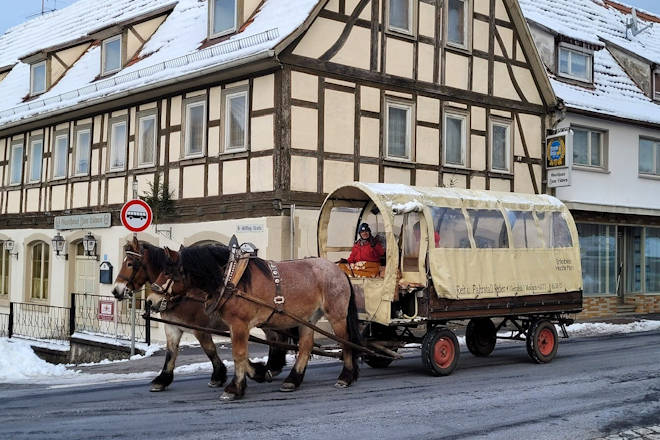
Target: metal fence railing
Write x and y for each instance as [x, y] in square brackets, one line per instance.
[39, 321]
[4, 325]
[104, 315]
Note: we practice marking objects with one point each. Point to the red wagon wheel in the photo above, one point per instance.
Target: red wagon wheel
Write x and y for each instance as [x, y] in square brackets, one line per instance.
[440, 351]
[542, 341]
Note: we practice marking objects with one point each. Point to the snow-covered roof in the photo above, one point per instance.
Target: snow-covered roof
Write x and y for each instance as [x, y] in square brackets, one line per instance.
[172, 52]
[598, 22]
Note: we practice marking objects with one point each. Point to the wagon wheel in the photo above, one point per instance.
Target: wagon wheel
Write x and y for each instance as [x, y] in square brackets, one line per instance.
[542, 341]
[480, 336]
[440, 351]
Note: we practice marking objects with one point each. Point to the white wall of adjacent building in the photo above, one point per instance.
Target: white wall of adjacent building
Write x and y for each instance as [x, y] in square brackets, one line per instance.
[620, 185]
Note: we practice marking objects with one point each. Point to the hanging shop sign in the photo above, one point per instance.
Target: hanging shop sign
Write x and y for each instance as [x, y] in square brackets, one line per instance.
[558, 158]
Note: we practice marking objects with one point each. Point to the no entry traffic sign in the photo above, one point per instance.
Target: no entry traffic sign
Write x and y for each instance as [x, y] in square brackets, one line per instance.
[136, 215]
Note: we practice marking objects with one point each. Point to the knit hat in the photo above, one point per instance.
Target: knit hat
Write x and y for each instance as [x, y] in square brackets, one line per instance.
[365, 227]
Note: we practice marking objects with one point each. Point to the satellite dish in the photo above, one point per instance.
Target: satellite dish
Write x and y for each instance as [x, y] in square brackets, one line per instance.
[633, 25]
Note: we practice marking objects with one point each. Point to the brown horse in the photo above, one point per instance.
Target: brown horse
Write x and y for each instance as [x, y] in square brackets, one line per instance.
[142, 264]
[310, 288]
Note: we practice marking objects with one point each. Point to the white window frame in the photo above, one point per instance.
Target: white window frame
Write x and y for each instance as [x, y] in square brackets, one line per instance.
[45, 253]
[575, 49]
[656, 153]
[33, 142]
[227, 109]
[412, 19]
[603, 149]
[410, 141]
[104, 52]
[655, 92]
[14, 146]
[33, 67]
[492, 122]
[140, 155]
[186, 131]
[456, 114]
[237, 8]
[56, 156]
[467, 22]
[113, 148]
[78, 134]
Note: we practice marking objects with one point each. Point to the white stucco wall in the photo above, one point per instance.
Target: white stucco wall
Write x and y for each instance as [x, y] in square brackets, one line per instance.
[621, 185]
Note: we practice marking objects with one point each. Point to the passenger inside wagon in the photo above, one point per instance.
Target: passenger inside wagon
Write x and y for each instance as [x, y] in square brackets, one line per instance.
[365, 257]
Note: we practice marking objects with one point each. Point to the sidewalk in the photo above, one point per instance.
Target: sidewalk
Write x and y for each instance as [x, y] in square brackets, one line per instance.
[193, 354]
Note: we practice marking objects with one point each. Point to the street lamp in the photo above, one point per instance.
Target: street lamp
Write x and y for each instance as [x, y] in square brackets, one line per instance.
[58, 245]
[89, 245]
[9, 246]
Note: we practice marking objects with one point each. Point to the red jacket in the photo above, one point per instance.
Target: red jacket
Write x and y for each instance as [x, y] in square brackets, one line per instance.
[366, 250]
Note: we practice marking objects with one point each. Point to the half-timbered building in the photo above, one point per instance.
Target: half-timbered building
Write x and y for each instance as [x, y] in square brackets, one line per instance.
[248, 112]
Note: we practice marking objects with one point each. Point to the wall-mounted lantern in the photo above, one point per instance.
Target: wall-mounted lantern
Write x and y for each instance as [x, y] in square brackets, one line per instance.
[89, 245]
[9, 247]
[58, 246]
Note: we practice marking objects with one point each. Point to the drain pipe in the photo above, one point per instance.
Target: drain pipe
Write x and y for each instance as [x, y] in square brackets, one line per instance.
[292, 229]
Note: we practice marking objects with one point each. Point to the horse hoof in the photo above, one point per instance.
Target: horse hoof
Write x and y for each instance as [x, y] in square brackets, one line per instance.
[287, 387]
[341, 384]
[227, 397]
[157, 388]
[215, 384]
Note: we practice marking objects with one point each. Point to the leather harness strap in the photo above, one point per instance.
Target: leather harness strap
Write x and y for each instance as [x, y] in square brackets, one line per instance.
[278, 299]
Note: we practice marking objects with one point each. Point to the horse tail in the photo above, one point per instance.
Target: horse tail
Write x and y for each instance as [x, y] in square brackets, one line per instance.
[353, 327]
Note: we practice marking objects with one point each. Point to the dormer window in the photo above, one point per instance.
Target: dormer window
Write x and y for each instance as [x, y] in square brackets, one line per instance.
[656, 85]
[223, 17]
[111, 55]
[38, 78]
[575, 63]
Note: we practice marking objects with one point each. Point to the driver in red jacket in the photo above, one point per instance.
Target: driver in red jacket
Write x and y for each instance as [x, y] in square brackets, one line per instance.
[367, 247]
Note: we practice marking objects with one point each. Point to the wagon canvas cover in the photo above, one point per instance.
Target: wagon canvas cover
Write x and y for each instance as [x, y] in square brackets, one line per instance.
[539, 254]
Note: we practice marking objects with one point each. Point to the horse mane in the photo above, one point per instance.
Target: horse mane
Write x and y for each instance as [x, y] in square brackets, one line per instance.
[157, 256]
[204, 265]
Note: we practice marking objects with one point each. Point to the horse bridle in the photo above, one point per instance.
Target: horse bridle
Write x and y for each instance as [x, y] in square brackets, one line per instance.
[137, 264]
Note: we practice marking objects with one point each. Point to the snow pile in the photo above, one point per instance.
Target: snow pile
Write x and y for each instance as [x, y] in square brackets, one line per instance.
[403, 208]
[601, 328]
[19, 364]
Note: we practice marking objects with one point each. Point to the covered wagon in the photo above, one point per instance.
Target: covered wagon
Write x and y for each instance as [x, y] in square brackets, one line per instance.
[492, 259]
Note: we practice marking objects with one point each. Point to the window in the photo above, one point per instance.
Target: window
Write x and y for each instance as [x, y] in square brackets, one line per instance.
[400, 16]
[500, 145]
[147, 140]
[195, 130]
[117, 141]
[236, 121]
[575, 64]
[554, 229]
[61, 156]
[656, 85]
[83, 150]
[4, 270]
[111, 55]
[223, 17]
[524, 233]
[16, 172]
[598, 257]
[455, 139]
[398, 130]
[588, 148]
[652, 259]
[39, 253]
[649, 157]
[488, 228]
[457, 23]
[36, 159]
[38, 78]
[450, 228]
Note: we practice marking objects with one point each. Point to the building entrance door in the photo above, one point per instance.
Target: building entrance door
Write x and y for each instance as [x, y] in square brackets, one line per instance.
[86, 272]
[632, 273]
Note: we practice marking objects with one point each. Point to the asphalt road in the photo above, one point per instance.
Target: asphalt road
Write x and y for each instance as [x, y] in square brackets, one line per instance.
[594, 387]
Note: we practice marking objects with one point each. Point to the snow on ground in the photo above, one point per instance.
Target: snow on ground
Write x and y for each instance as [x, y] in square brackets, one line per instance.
[19, 364]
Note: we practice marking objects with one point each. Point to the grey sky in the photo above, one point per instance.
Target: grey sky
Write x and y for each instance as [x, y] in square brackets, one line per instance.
[13, 12]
